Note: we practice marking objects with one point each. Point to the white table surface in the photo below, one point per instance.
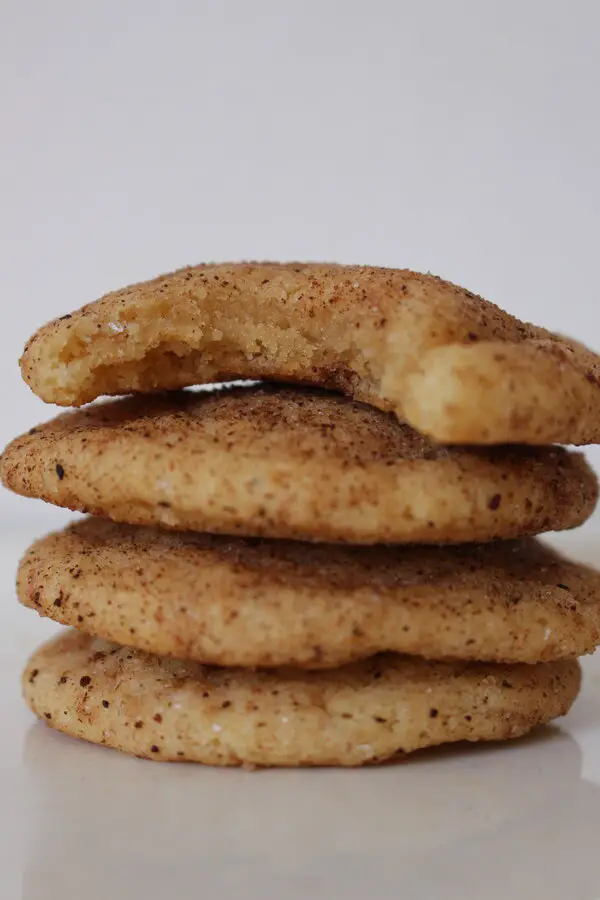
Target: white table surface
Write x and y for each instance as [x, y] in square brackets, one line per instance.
[79, 821]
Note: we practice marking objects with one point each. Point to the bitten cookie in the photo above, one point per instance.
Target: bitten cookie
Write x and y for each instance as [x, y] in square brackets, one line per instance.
[364, 713]
[236, 602]
[292, 463]
[453, 365]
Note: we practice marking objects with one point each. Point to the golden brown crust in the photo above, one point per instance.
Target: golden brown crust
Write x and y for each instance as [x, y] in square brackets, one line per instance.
[235, 602]
[363, 713]
[296, 463]
[375, 334]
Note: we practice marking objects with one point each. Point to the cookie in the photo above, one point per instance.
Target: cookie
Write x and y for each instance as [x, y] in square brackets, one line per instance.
[296, 463]
[365, 712]
[236, 602]
[453, 365]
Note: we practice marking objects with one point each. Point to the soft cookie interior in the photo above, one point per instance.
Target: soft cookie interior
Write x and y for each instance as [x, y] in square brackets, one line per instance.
[453, 365]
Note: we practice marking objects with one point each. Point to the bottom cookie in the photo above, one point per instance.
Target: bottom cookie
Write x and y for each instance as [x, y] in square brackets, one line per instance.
[365, 712]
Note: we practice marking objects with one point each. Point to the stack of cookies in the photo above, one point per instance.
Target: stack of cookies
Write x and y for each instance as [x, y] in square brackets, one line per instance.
[331, 573]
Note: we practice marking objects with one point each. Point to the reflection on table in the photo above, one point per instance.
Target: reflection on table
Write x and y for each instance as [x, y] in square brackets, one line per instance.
[483, 822]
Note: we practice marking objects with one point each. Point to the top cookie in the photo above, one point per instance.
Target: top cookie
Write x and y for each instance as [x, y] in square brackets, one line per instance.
[452, 365]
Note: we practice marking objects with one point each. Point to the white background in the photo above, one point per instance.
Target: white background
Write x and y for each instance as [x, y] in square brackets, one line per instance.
[461, 138]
